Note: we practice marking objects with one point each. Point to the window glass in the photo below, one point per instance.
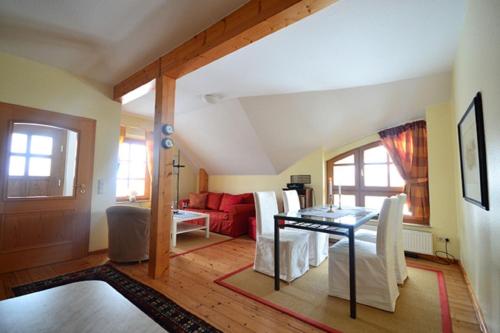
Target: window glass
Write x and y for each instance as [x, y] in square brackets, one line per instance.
[375, 175]
[375, 155]
[17, 165]
[395, 178]
[122, 188]
[131, 177]
[137, 186]
[346, 160]
[372, 166]
[344, 175]
[374, 202]
[19, 143]
[124, 151]
[123, 170]
[41, 145]
[347, 200]
[39, 167]
[138, 152]
[137, 170]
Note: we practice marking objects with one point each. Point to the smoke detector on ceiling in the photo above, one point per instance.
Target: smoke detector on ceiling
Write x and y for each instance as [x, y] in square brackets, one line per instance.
[212, 98]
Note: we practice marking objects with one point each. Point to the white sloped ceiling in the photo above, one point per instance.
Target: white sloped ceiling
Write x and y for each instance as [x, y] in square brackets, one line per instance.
[267, 134]
[341, 74]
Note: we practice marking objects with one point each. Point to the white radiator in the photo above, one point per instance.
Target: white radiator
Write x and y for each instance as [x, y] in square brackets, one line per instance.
[413, 241]
[417, 241]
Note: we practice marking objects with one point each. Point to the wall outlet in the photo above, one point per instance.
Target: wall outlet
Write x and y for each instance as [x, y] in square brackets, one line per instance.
[443, 239]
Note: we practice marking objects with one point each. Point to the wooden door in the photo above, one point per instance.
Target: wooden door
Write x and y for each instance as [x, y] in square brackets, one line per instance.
[46, 163]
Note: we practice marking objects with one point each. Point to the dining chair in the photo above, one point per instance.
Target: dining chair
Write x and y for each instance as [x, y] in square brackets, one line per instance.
[294, 249]
[375, 279]
[371, 236]
[318, 241]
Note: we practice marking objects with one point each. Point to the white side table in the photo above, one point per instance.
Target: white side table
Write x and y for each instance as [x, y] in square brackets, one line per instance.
[180, 224]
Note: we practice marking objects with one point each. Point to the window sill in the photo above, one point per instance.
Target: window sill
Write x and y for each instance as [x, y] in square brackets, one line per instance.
[374, 223]
[131, 202]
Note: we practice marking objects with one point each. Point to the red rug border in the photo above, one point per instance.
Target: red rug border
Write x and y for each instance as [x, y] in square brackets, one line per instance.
[443, 299]
[200, 248]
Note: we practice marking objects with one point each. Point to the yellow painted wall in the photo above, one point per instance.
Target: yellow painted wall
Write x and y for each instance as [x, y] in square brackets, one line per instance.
[477, 68]
[188, 174]
[32, 84]
[443, 219]
[310, 165]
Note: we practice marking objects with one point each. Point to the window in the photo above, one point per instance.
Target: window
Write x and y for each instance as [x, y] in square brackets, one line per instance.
[366, 175]
[30, 155]
[133, 176]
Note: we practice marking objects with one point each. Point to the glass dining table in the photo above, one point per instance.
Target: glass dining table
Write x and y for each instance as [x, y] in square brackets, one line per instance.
[343, 222]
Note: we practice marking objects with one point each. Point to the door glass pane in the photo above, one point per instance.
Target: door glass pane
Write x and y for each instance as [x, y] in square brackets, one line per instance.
[17, 165]
[348, 200]
[396, 180]
[39, 167]
[41, 145]
[346, 160]
[375, 155]
[50, 155]
[344, 175]
[374, 202]
[19, 143]
[376, 175]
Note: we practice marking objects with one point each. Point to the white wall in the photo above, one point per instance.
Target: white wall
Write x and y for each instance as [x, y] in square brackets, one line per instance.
[477, 68]
[32, 84]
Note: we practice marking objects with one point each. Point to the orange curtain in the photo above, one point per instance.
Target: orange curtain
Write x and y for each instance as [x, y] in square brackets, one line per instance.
[407, 146]
[149, 149]
[122, 133]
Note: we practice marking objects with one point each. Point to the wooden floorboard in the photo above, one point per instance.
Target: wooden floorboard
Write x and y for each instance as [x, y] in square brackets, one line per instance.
[189, 282]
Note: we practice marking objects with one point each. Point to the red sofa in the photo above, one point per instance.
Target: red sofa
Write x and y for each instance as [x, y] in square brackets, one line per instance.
[229, 214]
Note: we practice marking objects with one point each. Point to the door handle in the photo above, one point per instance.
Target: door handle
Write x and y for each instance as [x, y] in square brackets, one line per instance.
[82, 188]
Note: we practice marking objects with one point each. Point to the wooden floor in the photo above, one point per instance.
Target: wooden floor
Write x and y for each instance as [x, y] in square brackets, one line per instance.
[189, 282]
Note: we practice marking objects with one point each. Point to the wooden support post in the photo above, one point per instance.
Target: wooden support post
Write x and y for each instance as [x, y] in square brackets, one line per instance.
[162, 196]
[202, 181]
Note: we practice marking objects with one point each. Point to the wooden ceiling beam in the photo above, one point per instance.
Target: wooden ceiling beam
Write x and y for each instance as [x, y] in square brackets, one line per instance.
[251, 22]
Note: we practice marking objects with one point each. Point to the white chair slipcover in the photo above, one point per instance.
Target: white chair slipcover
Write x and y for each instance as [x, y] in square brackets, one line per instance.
[318, 241]
[294, 250]
[375, 280]
[371, 236]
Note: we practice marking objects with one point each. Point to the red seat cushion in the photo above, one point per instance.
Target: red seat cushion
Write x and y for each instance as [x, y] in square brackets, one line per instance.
[213, 200]
[246, 198]
[252, 228]
[198, 200]
[229, 200]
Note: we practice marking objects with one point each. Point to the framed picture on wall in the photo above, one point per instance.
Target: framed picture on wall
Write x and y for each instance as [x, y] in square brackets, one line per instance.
[473, 154]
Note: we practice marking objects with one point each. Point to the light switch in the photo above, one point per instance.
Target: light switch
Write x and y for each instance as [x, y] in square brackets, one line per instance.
[100, 186]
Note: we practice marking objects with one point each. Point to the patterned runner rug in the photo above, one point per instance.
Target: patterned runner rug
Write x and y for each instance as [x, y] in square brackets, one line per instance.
[157, 306]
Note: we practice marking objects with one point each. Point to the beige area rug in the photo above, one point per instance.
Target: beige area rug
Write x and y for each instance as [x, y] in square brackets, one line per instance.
[421, 307]
[195, 240]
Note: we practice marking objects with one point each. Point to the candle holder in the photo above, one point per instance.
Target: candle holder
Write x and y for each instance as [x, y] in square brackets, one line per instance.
[330, 210]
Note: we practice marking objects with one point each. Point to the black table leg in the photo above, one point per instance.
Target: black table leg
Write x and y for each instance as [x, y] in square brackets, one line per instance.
[276, 254]
[352, 273]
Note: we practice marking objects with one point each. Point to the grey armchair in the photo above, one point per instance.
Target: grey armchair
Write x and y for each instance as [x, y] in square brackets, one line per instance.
[128, 234]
